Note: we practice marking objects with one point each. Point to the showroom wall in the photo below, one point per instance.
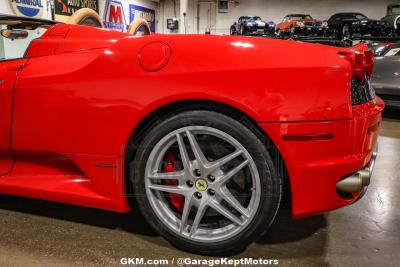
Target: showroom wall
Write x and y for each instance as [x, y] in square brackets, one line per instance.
[273, 10]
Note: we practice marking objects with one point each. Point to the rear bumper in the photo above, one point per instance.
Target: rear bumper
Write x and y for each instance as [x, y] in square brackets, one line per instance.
[316, 166]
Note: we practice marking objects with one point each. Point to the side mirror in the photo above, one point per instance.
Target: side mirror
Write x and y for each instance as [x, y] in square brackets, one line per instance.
[14, 34]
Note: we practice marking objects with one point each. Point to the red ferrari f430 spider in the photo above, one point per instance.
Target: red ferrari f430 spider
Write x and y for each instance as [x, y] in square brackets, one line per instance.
[202, 131]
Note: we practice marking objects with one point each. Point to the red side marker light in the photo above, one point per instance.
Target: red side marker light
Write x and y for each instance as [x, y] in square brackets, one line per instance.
[307, 137]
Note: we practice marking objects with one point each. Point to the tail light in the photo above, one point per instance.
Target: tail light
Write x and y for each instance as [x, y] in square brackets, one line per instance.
[359, 66]
[362, 63]
[369, 62]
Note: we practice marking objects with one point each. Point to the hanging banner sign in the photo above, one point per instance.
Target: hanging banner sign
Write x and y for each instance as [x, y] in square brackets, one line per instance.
[114, 16]
[145, 13]
[28, 8]
[65, 8]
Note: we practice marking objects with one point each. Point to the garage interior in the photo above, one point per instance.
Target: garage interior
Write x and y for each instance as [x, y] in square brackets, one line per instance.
[40, 233]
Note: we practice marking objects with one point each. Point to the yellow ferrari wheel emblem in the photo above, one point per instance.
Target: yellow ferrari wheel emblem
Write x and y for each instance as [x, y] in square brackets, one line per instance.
[201, 185]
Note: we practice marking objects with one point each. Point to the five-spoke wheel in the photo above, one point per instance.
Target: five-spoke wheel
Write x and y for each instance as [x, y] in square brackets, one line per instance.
[205, 182]
[218, 162]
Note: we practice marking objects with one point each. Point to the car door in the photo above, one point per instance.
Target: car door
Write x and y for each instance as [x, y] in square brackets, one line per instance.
[333, 22]
[239, 24]
[7, 80]
[12, 51]
[286, 24]
[8, 76]
[281, 24]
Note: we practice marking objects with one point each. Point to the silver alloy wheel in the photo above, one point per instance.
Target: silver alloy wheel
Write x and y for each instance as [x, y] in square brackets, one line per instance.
[211, 211]
[346, 31]
[292, 30]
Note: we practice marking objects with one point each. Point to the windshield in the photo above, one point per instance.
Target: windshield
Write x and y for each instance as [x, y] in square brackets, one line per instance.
[252, 18]
[395, 10]
[14, 49]
[256, 18]
[355, 16]
[301, 17]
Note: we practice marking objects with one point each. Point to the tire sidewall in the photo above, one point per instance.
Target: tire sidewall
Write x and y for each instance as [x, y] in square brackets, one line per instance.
[269, 180]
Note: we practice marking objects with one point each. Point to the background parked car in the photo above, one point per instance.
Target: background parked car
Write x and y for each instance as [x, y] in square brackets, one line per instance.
[386, 80]
[350, 23]
[301, 24]
[384, 48]
[391, 49]
[247, 25]
[392, 17]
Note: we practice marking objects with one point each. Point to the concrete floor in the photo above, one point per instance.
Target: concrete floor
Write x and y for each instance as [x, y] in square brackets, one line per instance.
[38, 233]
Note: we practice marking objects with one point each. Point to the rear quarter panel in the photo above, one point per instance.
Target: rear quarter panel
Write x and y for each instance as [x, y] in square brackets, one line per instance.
[93, 99]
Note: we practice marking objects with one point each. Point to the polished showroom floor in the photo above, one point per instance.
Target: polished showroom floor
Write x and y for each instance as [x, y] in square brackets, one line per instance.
[37, 233]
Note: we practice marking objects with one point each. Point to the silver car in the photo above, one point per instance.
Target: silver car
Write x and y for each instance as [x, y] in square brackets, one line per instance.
[386, 80]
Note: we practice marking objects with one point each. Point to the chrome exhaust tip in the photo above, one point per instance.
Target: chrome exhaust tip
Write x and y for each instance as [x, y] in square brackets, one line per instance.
[356, 182]
[353, 183]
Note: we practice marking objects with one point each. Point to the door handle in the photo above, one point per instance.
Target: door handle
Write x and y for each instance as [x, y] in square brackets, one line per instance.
[1, 82]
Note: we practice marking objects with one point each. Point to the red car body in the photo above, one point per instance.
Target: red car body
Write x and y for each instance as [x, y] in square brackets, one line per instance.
[70, 107]
[303, 24]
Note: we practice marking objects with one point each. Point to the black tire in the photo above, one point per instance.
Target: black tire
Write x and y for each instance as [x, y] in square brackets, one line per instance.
[243, 31]
[271, 184]
[396, 24]
[278, 33]
[346, 33]
[270, 33]
[233, 31]
[338, 34]
[292, 31]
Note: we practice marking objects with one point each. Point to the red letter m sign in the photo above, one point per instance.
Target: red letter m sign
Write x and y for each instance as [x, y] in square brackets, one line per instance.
[115, 14]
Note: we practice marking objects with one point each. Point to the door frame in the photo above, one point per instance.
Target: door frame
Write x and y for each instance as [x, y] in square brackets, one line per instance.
[215, 17]
[11, 68]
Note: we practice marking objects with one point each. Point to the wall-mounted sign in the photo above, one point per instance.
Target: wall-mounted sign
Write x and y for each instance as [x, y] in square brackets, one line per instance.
[65, 8]
[172, 24]
[114, 16]
[28, 8]
[223, 6]
[145, 13]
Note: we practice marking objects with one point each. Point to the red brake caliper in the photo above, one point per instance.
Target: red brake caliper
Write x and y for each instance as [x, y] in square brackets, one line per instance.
[176, 200]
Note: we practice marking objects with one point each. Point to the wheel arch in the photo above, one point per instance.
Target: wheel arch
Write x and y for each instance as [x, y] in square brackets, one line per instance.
[188, 105]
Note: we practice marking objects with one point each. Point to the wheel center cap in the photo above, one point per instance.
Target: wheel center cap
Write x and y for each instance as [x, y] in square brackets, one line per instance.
[201, 184]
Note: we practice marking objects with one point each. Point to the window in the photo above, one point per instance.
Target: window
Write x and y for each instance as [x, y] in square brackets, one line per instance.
[357, 16]
[395, 10]
[14, 49]
[257, 18]
[301, 17]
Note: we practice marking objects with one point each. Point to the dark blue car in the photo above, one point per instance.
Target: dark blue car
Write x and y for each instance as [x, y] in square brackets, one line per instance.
[248, 25]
